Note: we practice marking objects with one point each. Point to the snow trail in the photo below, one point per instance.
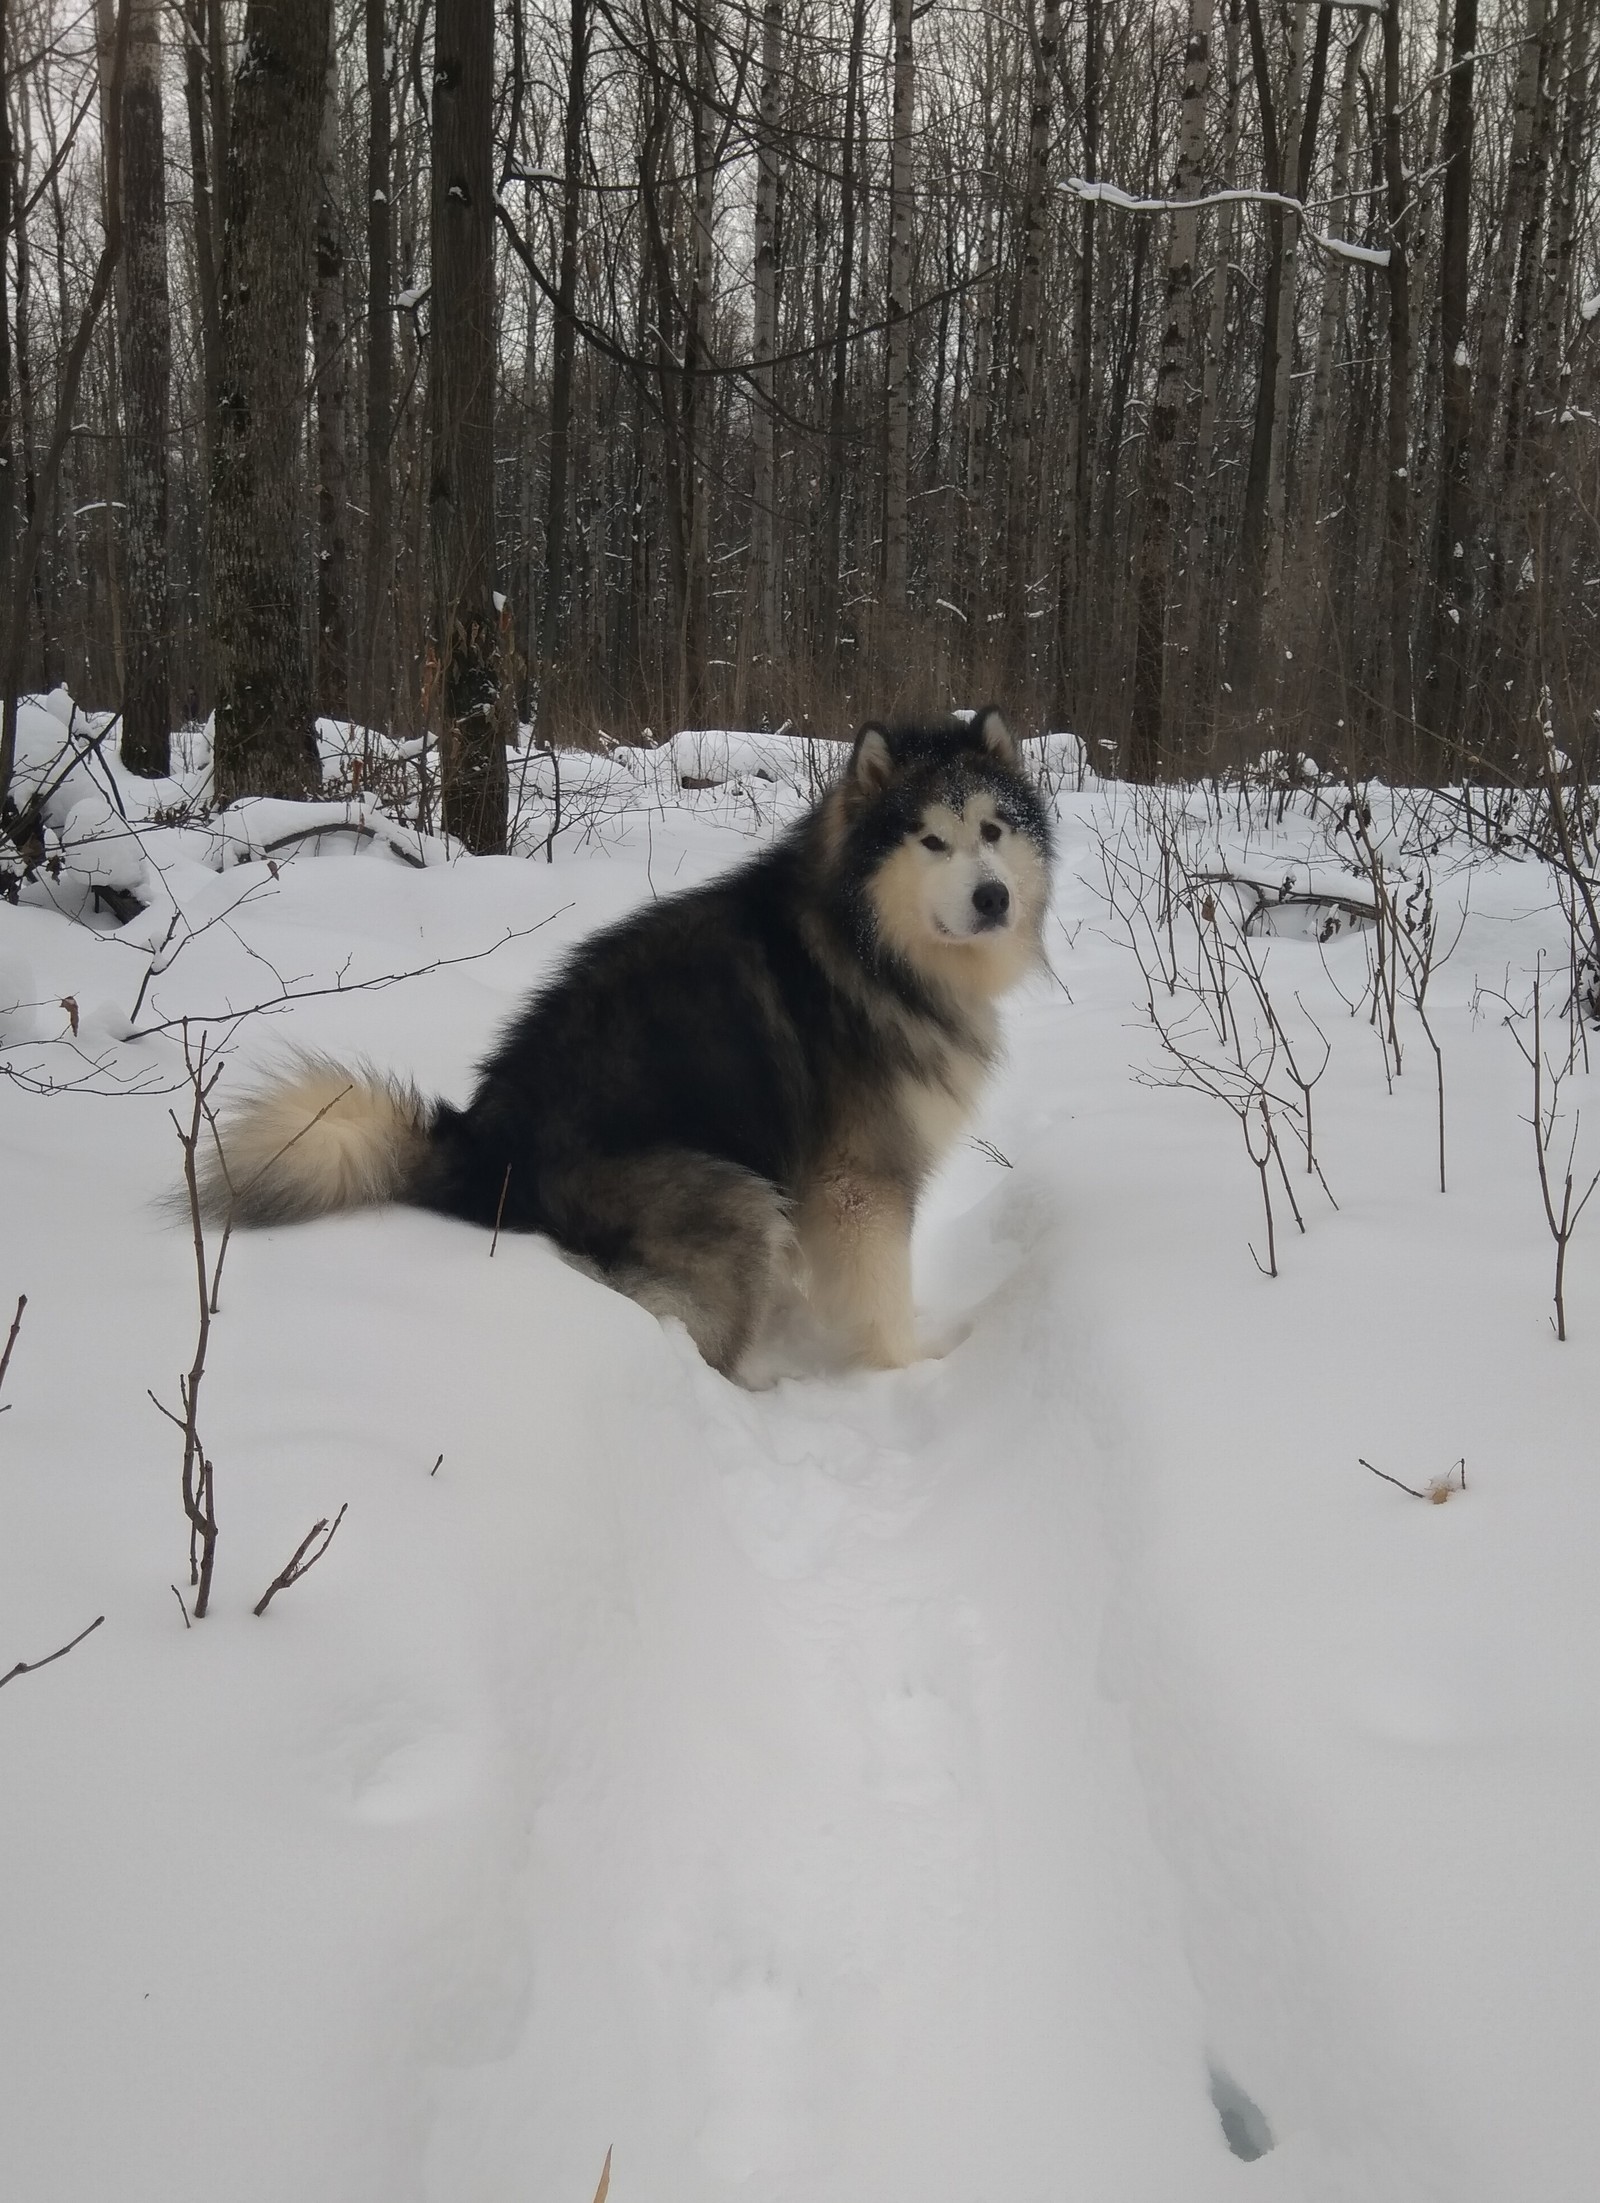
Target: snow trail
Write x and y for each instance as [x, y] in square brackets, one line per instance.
[1012, 1776]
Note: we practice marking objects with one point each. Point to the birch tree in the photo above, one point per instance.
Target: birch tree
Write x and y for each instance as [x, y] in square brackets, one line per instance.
[1145, 744]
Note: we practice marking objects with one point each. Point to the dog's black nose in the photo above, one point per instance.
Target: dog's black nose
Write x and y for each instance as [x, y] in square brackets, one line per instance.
[991, 899]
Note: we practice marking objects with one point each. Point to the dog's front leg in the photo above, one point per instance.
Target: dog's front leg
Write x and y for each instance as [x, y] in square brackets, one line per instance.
[855, 1230]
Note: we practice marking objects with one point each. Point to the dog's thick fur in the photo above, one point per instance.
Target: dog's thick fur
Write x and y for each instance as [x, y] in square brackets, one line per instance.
[735, 1089]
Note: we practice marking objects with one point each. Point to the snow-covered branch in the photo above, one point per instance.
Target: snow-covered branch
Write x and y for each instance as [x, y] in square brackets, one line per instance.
[1112, 195]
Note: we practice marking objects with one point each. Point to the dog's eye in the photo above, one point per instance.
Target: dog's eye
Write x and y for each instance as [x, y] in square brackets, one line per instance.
[932, 841]
[989, 830]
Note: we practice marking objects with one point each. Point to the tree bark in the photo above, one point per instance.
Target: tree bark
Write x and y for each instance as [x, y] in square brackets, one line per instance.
[265, 737]
[1452, 569]
[472, 757]
[1397, 489]
[377, 632]
[1145, 734]
[764, 552]
[1292, 117]
[330, 377]
[897, 415]
[838, 388]
[1335, 277]
[1077, 532]
[8, 471]
[552, 611]
[24, 831]
[146, 347]
[1046, 42]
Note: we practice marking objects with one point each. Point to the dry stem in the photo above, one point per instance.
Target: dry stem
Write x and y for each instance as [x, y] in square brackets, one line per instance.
[299, 1564]
[27, 1667]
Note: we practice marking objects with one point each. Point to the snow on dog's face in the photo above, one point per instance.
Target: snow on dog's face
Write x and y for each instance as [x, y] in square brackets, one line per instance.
[954, 847]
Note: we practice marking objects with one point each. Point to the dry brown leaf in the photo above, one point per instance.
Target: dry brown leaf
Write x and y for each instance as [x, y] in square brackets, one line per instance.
[70, 1005]
[604, 2188]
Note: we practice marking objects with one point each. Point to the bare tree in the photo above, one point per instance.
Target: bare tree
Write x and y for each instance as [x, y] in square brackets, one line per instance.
[1045, 38]
[329, 377]
[764, 553]
[897, 415]
[265, 740]
[564, 342]
[1453, 529]
[377, 607]
[1144, 754]
[146, 358]
[473, 781]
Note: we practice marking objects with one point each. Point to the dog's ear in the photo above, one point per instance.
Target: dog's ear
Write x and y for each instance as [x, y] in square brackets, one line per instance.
[989, 732]
[872, 760]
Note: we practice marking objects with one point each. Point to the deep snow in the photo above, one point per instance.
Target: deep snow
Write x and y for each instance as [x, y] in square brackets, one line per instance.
[989, 1780]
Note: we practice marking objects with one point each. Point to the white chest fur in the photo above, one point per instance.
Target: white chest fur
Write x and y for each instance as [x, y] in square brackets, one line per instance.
[937, 1111]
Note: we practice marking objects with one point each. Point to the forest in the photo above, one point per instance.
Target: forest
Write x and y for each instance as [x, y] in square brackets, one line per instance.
[1210, 377]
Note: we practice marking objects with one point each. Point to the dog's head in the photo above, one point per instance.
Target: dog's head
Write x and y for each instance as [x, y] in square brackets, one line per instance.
[948, 845]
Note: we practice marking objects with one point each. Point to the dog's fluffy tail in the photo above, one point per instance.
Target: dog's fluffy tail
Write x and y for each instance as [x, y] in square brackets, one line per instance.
[319, 1137]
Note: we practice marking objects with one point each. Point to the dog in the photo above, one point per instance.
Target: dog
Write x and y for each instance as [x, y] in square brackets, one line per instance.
[738, 1092]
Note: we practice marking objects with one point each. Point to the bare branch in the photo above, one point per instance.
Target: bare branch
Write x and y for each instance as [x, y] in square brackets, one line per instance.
[27, 1667]
[299, 1563]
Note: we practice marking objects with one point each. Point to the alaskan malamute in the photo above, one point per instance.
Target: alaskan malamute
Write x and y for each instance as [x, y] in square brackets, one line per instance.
[737, 1090]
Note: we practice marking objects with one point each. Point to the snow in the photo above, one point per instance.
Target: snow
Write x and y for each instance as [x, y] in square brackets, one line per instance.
[1006, 1777]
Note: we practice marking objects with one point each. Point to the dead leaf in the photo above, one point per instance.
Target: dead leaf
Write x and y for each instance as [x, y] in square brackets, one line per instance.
[69, 1004]
[604, 2188]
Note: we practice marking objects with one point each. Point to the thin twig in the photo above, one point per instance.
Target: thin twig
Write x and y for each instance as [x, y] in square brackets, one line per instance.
[299, 1564]
[1435, 1493]
[178, 1595]
[354, 986]
[27, 1667]
[505, 1187]
[1394, 1480]
[16, 1326]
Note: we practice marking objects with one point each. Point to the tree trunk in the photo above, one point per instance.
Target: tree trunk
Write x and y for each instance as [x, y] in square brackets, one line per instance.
[697, 393]
[1522, 350]
[1496, 307]
[552, 611]
[1292, 116]
[202, 168]
[8, 471]
[1146, 731]
[377, 632]
[1046, 43]
[265, 738]
[1397, 492]
[1335, 279]
[146, 381]
[833, 529]
[472, 757]
[1203, 511]
[24, 832]
[764, 553]
[331, 375]
[1452, 569]
[1077, 533]
[897, 416]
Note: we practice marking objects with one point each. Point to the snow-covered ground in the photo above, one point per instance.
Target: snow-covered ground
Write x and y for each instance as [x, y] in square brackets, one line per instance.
[1020, 1776]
